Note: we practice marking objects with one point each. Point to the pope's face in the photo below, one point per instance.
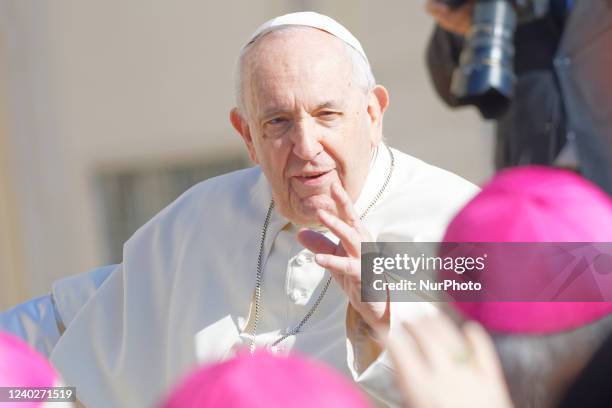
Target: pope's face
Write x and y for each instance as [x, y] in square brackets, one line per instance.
[306, 122]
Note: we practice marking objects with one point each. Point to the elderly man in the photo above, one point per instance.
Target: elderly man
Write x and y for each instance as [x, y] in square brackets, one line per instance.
[229, 264]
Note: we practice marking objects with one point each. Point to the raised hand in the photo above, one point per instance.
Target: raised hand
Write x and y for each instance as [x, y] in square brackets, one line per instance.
[343, 260]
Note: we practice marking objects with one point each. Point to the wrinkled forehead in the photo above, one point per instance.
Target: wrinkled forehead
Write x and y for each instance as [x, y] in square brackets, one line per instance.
[293, 46]
[296, 61]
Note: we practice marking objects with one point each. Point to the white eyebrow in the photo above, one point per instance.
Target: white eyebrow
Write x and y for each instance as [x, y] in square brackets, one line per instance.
[325, 105]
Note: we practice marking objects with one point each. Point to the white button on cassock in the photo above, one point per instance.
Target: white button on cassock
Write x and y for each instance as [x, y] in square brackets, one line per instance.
[295, 295]
[298, 294]
[300, 260]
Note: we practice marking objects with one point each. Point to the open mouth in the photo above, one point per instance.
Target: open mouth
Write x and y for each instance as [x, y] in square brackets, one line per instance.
[312, 177]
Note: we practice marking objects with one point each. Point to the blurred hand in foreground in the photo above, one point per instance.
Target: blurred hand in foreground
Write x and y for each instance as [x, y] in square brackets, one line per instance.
[440, 365]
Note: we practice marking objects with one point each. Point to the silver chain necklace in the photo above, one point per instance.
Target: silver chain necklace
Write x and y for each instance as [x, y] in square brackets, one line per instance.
[296, 329]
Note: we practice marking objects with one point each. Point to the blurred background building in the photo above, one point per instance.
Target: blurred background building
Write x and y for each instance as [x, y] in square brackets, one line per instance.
[109, 109]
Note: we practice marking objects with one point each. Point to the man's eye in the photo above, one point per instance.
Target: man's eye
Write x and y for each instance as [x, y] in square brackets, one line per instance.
[277, 121]
[328, 114]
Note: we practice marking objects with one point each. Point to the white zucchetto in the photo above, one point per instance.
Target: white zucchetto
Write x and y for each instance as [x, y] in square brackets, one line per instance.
[310, 19]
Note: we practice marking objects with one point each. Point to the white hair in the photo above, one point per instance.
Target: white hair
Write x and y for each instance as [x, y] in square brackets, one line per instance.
[362, 71]
[538, 369]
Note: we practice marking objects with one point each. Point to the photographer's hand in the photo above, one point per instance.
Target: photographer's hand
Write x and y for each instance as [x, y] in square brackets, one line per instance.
[455, 20]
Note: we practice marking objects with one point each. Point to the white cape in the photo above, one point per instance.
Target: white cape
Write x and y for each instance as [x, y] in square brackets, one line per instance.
[183, 291]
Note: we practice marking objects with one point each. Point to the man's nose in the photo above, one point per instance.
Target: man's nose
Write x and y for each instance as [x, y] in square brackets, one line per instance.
[306, 140]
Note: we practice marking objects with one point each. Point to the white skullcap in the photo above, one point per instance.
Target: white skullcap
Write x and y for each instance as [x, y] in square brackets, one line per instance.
[310, 19]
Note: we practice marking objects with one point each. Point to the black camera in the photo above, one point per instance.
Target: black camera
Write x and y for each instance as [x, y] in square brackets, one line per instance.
[485, 74]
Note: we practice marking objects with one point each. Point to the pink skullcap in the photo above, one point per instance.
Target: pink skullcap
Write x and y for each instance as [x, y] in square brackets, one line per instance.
[22, 366]
[265, 380]
[535, 204]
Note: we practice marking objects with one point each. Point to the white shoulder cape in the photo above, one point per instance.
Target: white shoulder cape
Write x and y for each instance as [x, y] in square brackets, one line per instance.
[190, 271]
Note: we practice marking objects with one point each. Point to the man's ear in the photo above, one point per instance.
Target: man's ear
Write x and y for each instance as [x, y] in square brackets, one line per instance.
[242, 127]
[377, 105]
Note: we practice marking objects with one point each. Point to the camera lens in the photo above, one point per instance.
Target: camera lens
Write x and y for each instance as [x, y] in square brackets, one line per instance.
[486, 73]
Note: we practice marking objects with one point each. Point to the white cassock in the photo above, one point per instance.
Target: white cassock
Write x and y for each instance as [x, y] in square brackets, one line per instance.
[183, 292]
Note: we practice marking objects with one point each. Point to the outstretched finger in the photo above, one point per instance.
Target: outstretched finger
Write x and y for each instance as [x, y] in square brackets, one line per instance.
[346, 210]
[347, 235]
[339, 266]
